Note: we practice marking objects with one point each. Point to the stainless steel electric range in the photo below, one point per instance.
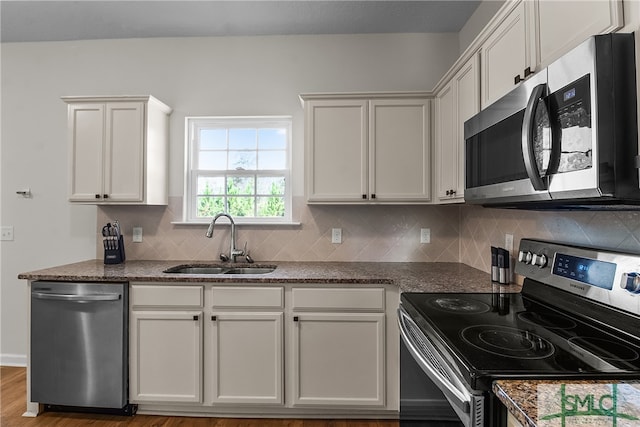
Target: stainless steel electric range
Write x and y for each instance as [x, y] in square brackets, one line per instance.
[578, 317]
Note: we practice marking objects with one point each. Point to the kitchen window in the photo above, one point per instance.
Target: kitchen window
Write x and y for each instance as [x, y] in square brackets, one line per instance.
[239, 166]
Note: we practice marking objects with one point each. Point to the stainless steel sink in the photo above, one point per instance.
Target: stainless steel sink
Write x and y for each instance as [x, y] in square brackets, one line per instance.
[250, 270]
[196, 270]
[216, 269]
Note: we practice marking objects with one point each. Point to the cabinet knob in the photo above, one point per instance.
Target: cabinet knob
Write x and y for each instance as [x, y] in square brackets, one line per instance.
[373, 196]
[214, 318]
[364, 196]
[517, 79]
[527, 72]
[453, 192]
[106, 196]
[97, 196]
[295, 318]
[196, 317]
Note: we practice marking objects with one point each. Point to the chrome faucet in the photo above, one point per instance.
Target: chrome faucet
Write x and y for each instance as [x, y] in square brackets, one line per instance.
[233, 252]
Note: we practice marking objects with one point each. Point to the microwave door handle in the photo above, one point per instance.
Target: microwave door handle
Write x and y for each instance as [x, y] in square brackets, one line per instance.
[528, 127]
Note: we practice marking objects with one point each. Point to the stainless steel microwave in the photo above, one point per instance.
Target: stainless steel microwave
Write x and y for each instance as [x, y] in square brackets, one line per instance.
[565, 137]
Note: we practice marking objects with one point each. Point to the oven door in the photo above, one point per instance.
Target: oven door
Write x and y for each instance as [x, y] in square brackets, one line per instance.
[467, 404]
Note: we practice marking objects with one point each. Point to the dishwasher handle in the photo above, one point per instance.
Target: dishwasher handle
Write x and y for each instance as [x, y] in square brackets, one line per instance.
[76, 297]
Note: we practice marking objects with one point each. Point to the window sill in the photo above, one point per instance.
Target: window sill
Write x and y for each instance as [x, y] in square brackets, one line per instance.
[237, 222]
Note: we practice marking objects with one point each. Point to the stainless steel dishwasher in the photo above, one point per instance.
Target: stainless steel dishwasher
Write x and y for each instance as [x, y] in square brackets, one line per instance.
[79, 349]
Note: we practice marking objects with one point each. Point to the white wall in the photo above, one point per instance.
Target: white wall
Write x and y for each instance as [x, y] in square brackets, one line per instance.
[196, 76]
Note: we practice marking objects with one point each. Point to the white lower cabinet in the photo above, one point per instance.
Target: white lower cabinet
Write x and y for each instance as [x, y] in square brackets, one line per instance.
[338, 350]
[221, 349]
[244, 362]
[339, 359]
[166, 344]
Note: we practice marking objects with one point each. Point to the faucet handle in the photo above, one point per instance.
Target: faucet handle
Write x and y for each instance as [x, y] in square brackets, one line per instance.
[224, 258]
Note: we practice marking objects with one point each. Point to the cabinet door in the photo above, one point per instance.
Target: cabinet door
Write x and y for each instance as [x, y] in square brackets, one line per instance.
[86, 128]
[165, 356]
[564, 24]
[246, 352]
[399, 150]
[124, 151]
[339, 359]
[456, 102]
[446, 147]
[336, 149]
[506, 53]
[467, 84]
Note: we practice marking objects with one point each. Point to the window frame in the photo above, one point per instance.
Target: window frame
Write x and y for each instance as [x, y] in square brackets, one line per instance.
[195, 123]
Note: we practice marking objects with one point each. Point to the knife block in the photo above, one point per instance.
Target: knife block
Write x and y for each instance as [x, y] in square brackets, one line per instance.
[114, 250]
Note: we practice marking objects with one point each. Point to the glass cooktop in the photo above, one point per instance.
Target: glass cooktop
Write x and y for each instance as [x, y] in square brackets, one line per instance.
[507, 335]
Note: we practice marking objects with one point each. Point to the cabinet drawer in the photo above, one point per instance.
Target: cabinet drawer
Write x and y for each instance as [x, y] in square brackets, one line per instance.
[338, 299]
[166, 296]
[240, 297]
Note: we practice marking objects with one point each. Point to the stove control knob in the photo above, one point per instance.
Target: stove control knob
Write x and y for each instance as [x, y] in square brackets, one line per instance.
[525, 256]
[539, 259]
[631, 282]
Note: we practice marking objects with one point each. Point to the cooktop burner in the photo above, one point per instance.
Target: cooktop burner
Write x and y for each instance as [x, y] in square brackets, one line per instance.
[508, 342]
[605, 349]
[547, 320]
[459, 304]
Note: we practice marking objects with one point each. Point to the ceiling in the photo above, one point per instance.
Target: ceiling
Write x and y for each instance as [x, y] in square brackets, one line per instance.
[33, 21]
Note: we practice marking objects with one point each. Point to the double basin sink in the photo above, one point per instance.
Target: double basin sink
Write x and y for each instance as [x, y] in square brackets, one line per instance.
[218, 269]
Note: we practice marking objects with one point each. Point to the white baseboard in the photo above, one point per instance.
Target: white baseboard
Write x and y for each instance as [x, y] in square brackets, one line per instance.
[13, 360]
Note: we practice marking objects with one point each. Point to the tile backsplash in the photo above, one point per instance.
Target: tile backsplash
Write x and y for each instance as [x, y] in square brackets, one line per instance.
[370, 233]
[481, 228]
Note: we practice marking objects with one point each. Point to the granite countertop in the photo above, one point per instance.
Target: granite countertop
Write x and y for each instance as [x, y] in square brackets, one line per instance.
[537, 403]
[408, 276]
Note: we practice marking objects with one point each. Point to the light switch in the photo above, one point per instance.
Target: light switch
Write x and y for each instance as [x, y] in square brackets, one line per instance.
[6, 233]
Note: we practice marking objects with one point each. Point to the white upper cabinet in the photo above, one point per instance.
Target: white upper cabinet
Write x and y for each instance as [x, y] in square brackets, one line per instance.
[399, 150]
[563, 24]
[456, 102]
[507, 56]
[337, 146]
[355, 148]
[118, 149]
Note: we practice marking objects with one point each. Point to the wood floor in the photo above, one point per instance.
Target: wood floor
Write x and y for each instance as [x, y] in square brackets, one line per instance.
[13, 403]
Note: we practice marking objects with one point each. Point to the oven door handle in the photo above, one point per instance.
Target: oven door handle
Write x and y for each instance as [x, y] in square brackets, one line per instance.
[455, 396]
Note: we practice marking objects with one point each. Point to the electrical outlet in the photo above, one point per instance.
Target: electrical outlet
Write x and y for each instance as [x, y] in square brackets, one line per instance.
[137, 235]
[336, 235]
[7, 233]
[425, 235]
[508, 242]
